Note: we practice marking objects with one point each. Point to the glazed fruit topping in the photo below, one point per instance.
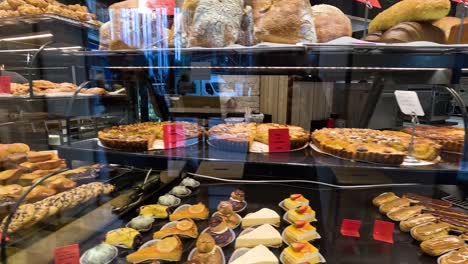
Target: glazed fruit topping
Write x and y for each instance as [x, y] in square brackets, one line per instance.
[301, 209]
[197, 208]
[167, 245]
[296, 196]
[184, 225]
[298, 246]
[300, 223]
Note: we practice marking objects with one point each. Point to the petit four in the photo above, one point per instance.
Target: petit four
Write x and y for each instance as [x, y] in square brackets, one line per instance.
[257, 255]
[168, 200]
[294, 201]
[429, 231]
[206, 251]
[100, 254]
[384, 198]
[304, 213]
[124, 237]
[197, 211]
[394, 204]
[263, 216]
[440, 245]
[180, 191]
[154, 210]
[141, 223]
[416, 220]
[226, 212]
[265, 235]
[189, 182]
[456, 257]
[184, 227]
[169, 249]
[300, 231]
[404, 213]
[220, 232]
[237, 200]
[301, 252]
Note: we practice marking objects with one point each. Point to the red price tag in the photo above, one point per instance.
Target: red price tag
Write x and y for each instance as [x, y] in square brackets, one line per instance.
[67, 254]
[383, 231]
[5, 84]
[350, 228]
[374, 3]
[173, 136]
[278, 140]
[154, 4]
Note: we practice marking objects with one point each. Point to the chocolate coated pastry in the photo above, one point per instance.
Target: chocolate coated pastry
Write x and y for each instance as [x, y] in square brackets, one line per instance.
[416, 198]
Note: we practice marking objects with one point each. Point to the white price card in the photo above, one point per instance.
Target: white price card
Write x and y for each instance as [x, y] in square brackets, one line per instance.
[409, 103]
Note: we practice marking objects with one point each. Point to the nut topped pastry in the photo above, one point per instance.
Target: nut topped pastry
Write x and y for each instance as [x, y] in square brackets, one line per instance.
[206, 251]
[226, 212]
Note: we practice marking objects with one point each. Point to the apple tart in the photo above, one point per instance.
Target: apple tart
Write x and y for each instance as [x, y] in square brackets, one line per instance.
[450, 138]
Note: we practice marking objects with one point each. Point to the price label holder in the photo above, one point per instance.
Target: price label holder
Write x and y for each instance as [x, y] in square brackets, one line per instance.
[5, 84]
[67, 254]
[350, 228]
[173, 136]
[278, 140]
[383, 231]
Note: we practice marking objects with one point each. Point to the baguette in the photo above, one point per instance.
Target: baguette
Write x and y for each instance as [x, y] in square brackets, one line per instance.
[410, 10]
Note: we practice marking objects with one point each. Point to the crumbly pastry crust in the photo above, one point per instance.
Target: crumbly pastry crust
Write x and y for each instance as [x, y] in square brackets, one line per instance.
[240, 136]
[140, 137]
[386, 147]
[451, 138]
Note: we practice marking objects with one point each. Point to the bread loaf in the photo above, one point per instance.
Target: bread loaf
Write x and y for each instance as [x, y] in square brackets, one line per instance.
[330, 23]
[284, 21]
[410, 10]
[413, 31]
[450, 26]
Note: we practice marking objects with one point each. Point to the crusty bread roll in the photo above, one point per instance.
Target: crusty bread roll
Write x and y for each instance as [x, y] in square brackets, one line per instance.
[330, 23]
[410, 10]
[450, 26]
[284, 21]
[413, 31]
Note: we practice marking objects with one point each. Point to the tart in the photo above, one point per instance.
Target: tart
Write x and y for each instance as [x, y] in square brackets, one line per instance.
[265, 235]
[294, 201]
[386, 147]
[185, 227]
[450, 138]
[258, 254]
[141, 136]
[301, 252]
[154, 210]
[304, 213]
[206, 251]
[262, 216]
[300, 231]
[124, 237]
[169, 249]
[197, 212]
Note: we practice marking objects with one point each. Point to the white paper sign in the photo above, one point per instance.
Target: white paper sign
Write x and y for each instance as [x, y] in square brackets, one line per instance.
[409, 103]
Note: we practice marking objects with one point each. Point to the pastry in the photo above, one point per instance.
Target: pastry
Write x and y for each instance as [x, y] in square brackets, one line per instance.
[416, 198]
[450, 138]
[17, 148]
[457, 225]
[394, 204]
[168, 200]
[262, 216]
[124, 237]
[180, 191]
[416, 220]
[409, 32]
[330, 23]
[44, 165]
[300, 231]
[197, 212]
[220, 232]
[429, 231]
[58, 183]
[13, 191]
[409, 10]
[451, 26]
[457, 257]
[237, 200]
[140, 137]
[39, 193]
[440, 245]
[225, 211]
[39, 156]
[100, 254]
[265, 235]
[185, 227]
[206, 251]
[404, 213]
[257, 255]
[383, 198]
[294, 201]
[189, 182]
[304, 213]
[25, 215]
[169, 248]
[10, 176]
[301, 252]
[444, 212]
[141, 223]
[154, 210]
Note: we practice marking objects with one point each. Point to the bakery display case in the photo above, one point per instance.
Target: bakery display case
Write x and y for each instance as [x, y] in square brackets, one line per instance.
[216, 132]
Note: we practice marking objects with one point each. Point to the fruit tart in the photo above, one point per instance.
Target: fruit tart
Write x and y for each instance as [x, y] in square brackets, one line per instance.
[301, 252]
[185, 227]
[304, 213]
[221, 233]
[169, 249]
[300, 231]
[226, 212]
[197, 212]
[206, 251]
[294, 201]
[154, 210]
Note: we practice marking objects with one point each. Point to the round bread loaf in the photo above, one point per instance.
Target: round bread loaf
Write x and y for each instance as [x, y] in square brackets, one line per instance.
[330, 23]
